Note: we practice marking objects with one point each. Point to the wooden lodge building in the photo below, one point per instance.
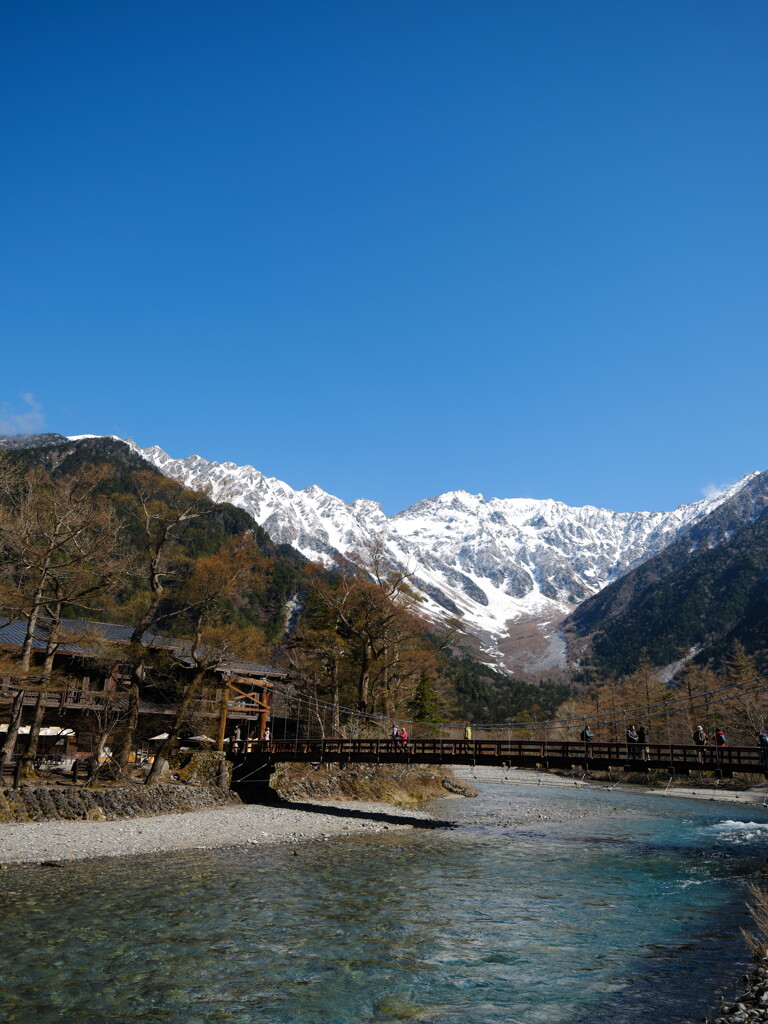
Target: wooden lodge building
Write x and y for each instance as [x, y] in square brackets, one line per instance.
[88, 678]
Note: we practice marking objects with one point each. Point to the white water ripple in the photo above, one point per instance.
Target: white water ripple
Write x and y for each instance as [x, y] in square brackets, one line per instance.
[737, 832]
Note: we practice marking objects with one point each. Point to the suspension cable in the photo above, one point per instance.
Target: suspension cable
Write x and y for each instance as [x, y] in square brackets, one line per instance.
[719, 696]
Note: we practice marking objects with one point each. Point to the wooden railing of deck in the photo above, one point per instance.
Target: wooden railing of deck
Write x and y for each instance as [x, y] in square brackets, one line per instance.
[517, 753]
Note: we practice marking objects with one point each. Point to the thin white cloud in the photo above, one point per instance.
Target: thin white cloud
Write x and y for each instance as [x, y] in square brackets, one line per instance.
[29, 420]
[712, 491]
[718, 490]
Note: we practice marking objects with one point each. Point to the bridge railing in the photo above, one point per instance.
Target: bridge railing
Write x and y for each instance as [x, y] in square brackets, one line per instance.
[521, 751]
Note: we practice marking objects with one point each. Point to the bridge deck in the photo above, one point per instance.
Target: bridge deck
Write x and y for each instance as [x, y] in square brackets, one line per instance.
[678, 758]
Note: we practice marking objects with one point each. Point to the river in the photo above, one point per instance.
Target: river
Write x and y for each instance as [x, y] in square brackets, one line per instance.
[535, 905]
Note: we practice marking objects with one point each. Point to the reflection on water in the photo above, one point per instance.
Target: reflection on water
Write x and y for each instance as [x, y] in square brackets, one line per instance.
[629, 913]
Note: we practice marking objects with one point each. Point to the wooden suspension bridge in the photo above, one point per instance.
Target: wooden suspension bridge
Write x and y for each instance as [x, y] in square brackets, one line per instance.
[253, 765]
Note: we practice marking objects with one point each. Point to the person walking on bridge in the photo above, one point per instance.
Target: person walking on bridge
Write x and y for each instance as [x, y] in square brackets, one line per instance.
[467, 737]
[395, 736]
[700, 739]
[632, 738]
[718, 738]
[586, 738]
[642, 739]
[404, 737]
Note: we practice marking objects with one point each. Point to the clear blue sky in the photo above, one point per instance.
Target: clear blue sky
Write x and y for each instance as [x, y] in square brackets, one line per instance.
[394, 247]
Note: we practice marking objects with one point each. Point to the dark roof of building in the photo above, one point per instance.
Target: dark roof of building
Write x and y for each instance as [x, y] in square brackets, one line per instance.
[13, 632]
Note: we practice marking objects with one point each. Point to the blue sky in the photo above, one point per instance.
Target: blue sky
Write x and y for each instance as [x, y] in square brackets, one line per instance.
[394, 248]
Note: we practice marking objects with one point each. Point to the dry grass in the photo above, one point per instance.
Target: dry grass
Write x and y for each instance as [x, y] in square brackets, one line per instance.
[757, 940]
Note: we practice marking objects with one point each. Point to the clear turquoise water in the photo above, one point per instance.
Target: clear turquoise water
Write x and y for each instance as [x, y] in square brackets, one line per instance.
[630, 913]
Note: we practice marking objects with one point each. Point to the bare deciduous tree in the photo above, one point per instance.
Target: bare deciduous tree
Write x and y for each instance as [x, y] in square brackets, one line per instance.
[214, 583]
[59, 546]
[161, 511]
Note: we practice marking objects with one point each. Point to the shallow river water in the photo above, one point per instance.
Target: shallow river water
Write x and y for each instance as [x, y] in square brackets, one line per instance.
[626, 911]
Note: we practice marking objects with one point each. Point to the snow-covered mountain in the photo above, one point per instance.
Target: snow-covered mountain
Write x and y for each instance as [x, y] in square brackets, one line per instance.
[497, 562]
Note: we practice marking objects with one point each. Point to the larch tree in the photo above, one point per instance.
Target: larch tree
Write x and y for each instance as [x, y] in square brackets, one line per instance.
[746, 708]
[696, 683]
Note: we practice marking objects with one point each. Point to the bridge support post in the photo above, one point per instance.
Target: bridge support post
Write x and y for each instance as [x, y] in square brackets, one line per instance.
[251, 780]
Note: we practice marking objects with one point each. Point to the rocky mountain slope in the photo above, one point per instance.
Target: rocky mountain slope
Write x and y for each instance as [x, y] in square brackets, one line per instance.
[706, 590]
[496, 562]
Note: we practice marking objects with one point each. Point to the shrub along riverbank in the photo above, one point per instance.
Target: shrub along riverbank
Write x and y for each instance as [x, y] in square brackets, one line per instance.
[400, 785]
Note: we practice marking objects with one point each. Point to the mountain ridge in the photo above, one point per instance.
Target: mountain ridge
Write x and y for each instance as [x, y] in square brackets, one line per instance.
[492, 561]
[521, 573]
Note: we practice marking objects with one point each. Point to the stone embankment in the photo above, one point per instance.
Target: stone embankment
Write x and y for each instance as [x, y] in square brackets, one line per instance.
[53, 803]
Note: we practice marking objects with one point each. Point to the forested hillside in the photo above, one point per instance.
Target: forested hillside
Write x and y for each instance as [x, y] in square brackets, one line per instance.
[691, 597]
[484, 695]
[125, 477]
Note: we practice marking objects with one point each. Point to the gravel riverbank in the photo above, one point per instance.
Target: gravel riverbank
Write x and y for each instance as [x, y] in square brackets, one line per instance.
[58, 841]
[255, 824]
